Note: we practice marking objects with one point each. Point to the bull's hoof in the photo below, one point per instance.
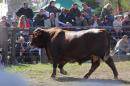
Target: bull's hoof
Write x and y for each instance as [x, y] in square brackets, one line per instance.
[53, 76]
[116, 77]
[86, 76]
[63, 72]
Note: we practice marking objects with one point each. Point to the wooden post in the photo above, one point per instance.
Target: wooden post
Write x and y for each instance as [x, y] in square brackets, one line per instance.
[4, 43]
[43, 57]
[13, 40]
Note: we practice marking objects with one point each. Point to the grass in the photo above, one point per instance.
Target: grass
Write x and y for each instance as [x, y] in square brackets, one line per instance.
[40, 73]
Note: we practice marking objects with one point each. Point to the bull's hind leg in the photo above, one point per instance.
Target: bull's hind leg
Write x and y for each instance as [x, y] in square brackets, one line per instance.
[60, 66]
[111, 64]
[95, 63]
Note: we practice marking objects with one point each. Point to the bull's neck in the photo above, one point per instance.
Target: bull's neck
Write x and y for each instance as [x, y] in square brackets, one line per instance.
[50, 34]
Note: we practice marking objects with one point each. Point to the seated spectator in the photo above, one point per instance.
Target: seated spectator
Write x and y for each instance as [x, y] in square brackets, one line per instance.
[14, 24]
[23, 22]
[19, 49]
[52, 21]
[22, 52]
[126, 23]
[39, 19]
[87, 17]
[81, 21]
[122, 46]
[117, 24]
[25, 35]
[64, 17]
[4, 23]
[95, 22]
[106, 23]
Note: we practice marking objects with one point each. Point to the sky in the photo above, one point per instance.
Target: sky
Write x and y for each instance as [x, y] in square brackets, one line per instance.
[3, 9]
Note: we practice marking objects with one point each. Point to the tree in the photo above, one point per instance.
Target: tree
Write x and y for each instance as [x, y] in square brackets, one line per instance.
[95, 6]
[92, 3]
[1, 1]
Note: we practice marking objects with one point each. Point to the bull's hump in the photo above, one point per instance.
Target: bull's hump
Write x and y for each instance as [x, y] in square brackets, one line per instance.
[95, 30]
[72, 34]
[80, 33]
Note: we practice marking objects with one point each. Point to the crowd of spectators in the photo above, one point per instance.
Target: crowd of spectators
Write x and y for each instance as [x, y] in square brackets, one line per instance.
[73, 17]
[51, 16]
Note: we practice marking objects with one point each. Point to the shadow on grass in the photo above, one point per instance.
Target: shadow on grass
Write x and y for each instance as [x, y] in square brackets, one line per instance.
[68, 79]
[23, 65]
[101, 81]
[20, 65]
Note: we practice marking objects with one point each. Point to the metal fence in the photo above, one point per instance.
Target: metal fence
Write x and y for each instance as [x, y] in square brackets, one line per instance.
[28, 55]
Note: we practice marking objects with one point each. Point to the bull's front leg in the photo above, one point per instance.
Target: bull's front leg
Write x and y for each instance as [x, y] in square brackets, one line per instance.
[54, 70]
[55, 57]
[95, 63]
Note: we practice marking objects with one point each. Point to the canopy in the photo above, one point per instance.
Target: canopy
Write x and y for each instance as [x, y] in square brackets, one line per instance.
[67, 3]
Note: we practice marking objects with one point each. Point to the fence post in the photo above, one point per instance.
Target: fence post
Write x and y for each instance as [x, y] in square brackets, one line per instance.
[13, 40]
[4, 43]
[43, 57]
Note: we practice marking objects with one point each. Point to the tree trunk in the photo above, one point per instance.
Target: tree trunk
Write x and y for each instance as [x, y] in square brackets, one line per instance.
[4, 43]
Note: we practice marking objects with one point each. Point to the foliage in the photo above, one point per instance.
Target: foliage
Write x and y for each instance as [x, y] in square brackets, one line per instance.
[1, 1]
[92, 3]
[125, 4]
[98, 11]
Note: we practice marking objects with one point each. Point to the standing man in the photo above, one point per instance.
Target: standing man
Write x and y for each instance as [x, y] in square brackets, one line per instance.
[25, 10]
[51, 8]
[87, 9]
[73, 13]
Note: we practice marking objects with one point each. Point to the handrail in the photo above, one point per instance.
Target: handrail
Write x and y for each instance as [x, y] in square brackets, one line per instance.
[76, 27]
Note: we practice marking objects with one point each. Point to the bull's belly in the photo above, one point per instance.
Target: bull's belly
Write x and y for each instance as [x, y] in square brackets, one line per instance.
[74, 55]
[79, 59]
[83, 53]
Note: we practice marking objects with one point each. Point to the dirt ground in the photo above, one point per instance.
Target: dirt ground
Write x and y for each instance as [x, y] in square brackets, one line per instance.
[101, 77]
[70, 81]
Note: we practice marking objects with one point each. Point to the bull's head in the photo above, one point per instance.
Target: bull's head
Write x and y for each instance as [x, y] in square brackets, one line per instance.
[39, 38]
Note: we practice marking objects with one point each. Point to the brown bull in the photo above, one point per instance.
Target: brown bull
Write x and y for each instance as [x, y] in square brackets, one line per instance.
[74, 46]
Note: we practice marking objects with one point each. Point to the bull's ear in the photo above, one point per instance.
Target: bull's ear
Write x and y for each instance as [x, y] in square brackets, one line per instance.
[38, 29]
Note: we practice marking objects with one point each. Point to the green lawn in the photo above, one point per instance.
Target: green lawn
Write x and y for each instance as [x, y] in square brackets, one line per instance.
[40, 73]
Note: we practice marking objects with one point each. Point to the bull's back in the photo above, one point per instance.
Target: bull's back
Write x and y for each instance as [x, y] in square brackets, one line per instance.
[85, 42]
